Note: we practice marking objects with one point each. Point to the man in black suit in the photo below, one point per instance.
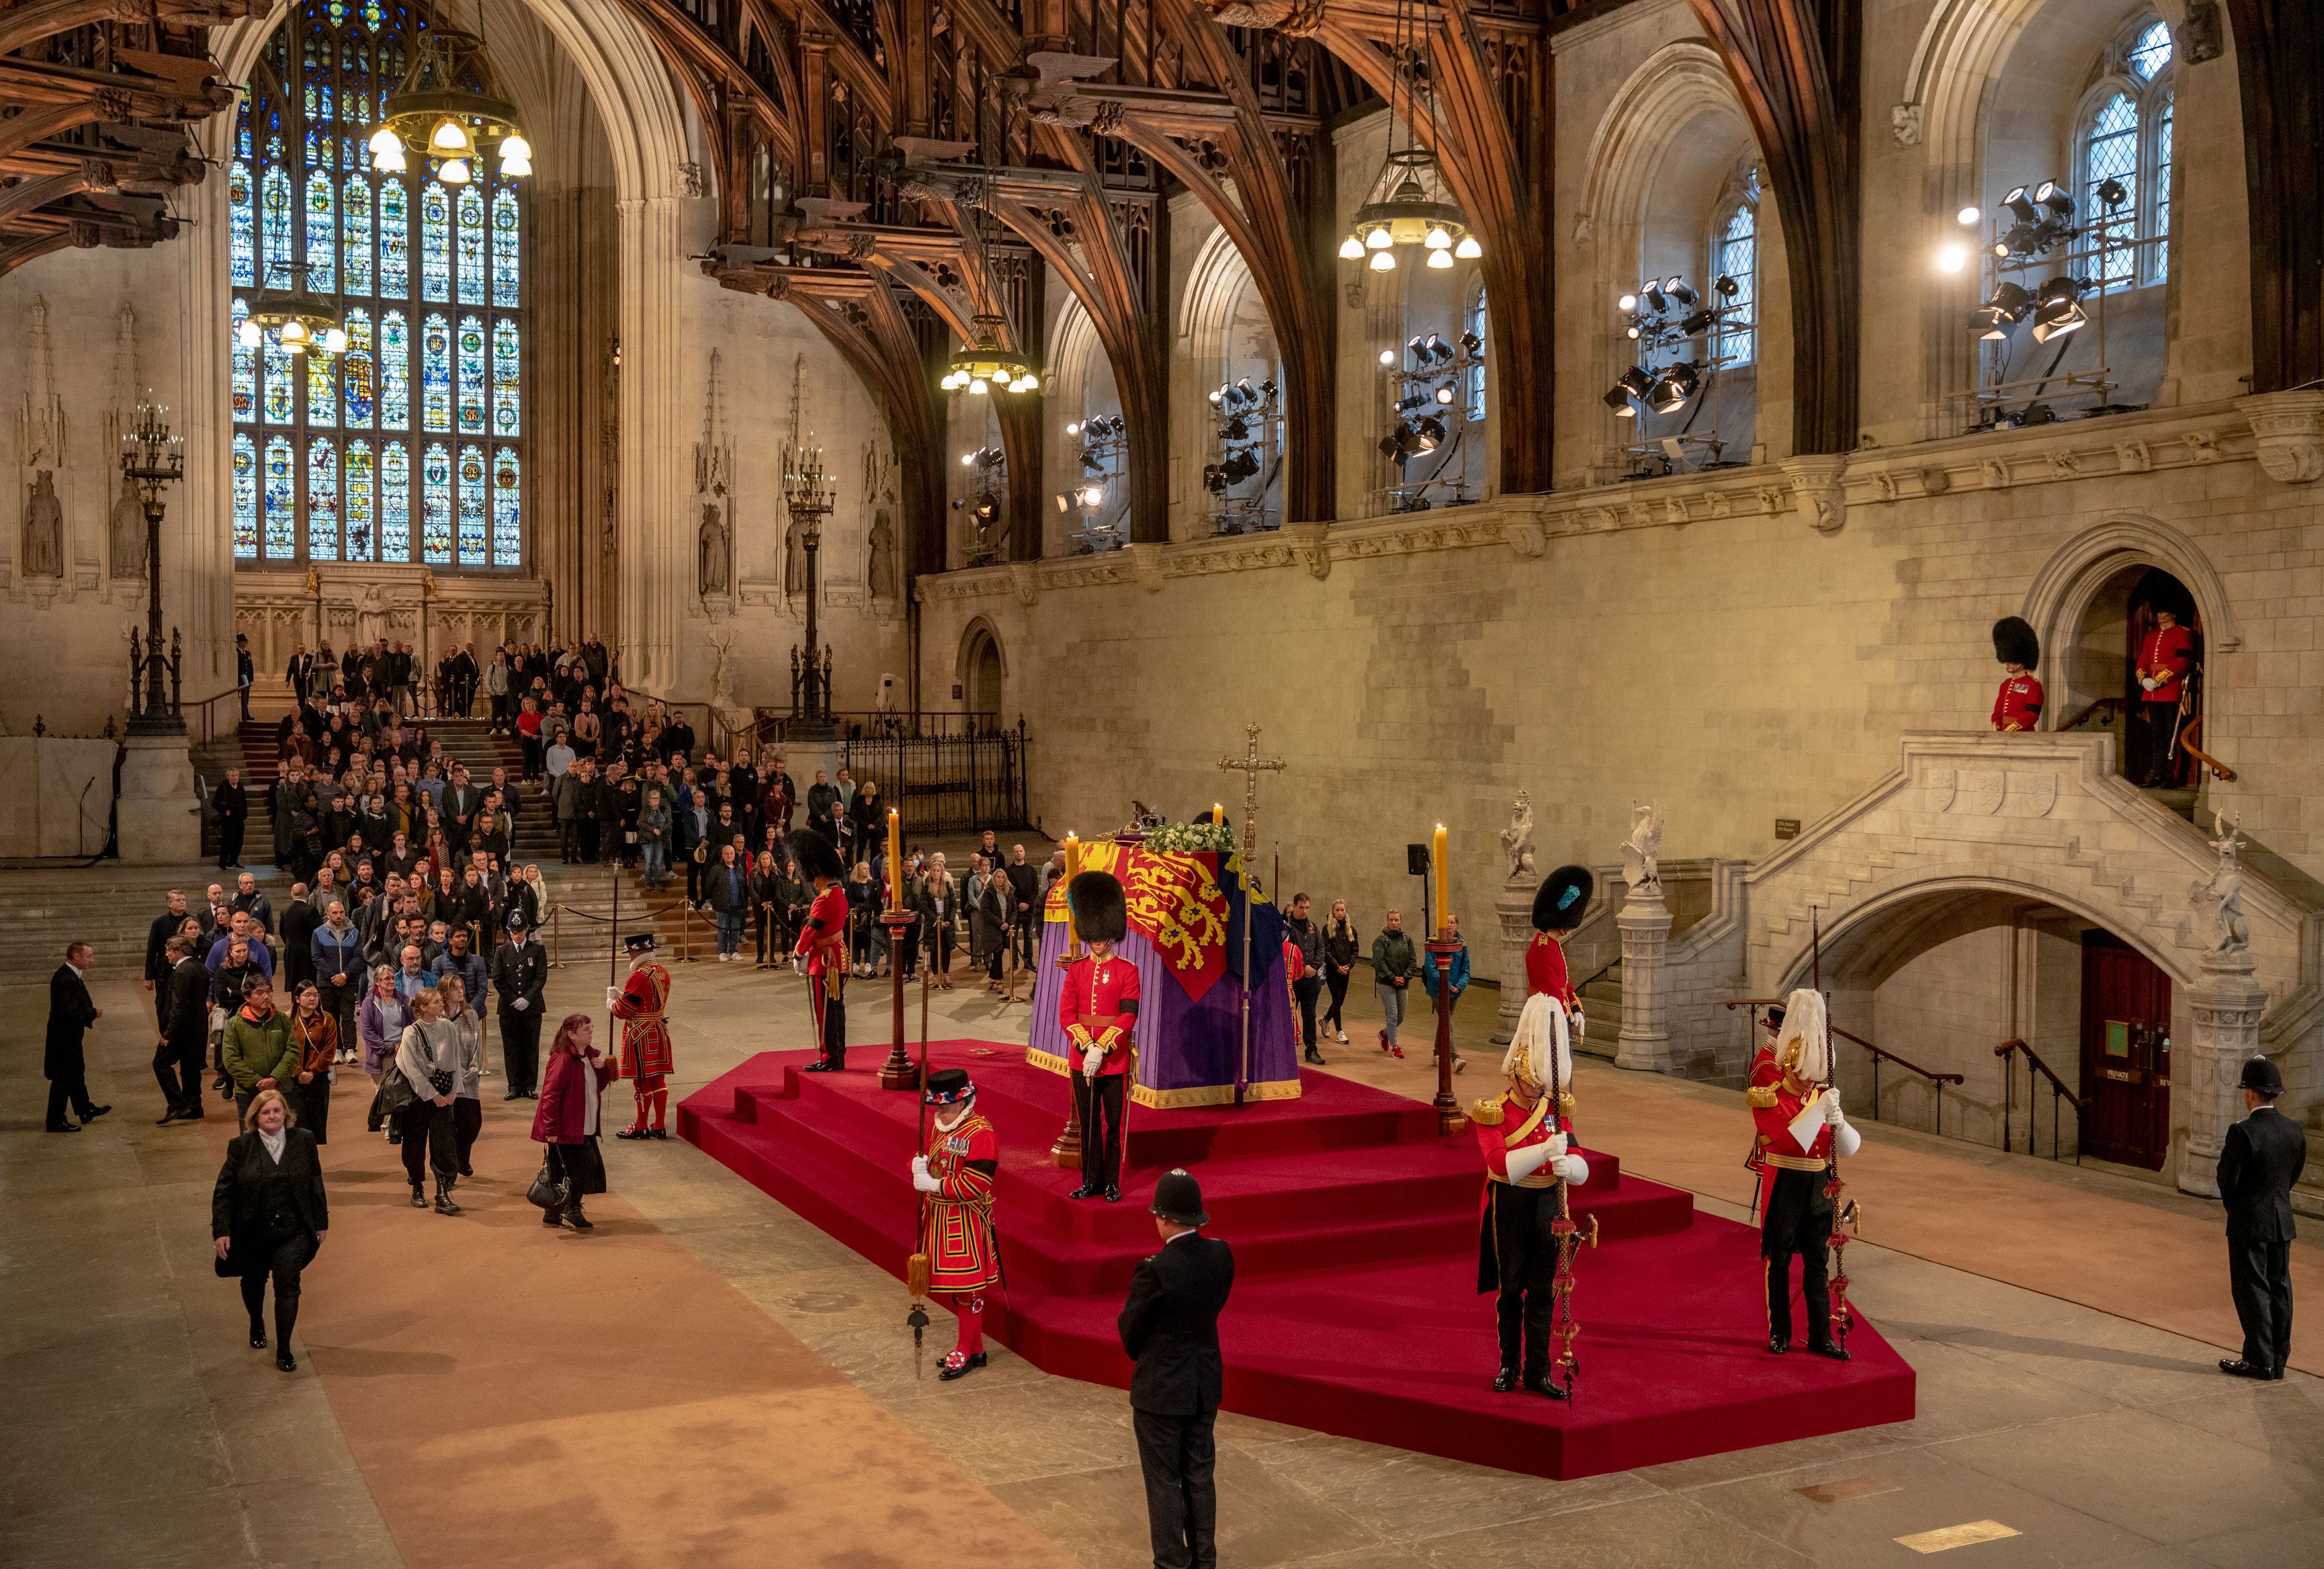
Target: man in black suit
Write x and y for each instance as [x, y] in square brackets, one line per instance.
[184, 1006]
[2259, 1160]
[232, 804]
[71, 1012]
[520, 971]
[1170, 1326]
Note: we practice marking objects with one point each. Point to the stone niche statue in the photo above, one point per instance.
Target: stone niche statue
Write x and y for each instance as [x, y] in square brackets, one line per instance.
[1642, 853]
[2221, 897]
[711, 551]
[43, 555]
[1517, 841]
[127, 525]
[881, 575]
[374, 606]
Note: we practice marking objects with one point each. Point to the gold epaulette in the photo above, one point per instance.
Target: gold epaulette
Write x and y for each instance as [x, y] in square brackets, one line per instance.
[1487, 1112]
[1760, 1096]
[1565, 1104]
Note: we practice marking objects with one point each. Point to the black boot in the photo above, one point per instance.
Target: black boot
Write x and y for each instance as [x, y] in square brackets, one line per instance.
[1827, 1350]
[1540, 1384]
[552, 1217]
[577, 1220]
[444, 1205]
[419, 1196]
[1505, 1380]
[1779, 1343]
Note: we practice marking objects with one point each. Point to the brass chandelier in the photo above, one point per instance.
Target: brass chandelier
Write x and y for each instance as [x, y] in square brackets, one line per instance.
[1418, 209]
[448, 108]
[983, 365]
[298, 320]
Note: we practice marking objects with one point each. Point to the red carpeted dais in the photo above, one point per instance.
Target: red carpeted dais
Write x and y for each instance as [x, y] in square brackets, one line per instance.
[1355, 1227]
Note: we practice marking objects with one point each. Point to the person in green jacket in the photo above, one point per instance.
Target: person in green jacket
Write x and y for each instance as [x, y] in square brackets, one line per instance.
[257, 1051]
[1459, 977]
[1394, 962]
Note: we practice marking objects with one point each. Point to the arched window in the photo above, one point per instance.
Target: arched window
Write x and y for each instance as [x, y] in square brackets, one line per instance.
[1735, 257]
[1473, 322]
[333, 458]
[2122, 153]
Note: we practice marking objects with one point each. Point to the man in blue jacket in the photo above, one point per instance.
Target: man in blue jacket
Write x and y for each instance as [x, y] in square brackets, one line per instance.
[1458, 977]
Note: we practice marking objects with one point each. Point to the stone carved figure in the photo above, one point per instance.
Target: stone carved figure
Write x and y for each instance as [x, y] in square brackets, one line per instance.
[711, 551]
[1642, 853]
[374, 608]
[1516, 841]
[880, 578]
[43, 552]
[722, 677]
[2222, 895]
[881, 573]
[127, 527]
[794, 560]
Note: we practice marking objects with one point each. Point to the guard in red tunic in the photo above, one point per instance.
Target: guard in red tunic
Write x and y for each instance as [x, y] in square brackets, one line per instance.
[1528, 1147]
[822, 948]
[2165, 656]
[1558, 907]
[957, 1173]
[646, 1054]
[2018, 705]
[1796, 1114]
[1097, 1008]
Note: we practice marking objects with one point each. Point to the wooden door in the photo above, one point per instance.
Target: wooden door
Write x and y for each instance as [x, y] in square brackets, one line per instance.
[2125, 1054]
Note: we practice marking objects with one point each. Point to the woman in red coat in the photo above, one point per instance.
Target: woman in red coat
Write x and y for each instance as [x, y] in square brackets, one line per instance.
[567, 1116]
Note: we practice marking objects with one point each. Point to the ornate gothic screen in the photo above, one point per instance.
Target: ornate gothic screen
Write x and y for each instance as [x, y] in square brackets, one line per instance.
[409, 446]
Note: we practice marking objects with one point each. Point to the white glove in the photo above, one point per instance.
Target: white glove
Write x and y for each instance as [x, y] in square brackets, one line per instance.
[1570, 1168]
[920, 1177]
[2149, 682]
[1576, 1020]
[1091, 1061]
[613, 996]
[799, 964]
[1557, 1145]
[518, 1004]
[1831, 1109]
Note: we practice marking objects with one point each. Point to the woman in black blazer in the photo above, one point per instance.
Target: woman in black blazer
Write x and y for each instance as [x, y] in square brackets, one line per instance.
[268, 1215]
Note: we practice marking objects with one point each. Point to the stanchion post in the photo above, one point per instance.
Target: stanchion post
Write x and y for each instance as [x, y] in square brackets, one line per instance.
[1449, 1118]
[557, 937]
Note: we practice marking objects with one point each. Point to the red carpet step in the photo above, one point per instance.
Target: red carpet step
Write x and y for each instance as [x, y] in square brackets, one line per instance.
[1354, 1226]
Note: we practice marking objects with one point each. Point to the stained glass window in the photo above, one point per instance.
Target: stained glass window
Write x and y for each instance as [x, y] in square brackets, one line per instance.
[394, 502]
[435, 374]
[310, 479]
[507, 247]
[394, 240]
[1735, 253]
[394, 373]
[472, 281]
[436, 505]
[435, 243]
[355, 217]
[356, 369]
[508, 532]
[322, 500]
[245, 370]
[472, 507]
[505, 362]
[241, 216]
[363, 501]
[472, 375]
[281, 499]
[246, 499]
[322, 388]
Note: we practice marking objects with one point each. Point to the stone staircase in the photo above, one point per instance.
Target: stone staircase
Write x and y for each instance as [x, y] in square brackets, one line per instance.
[1602, 1004]
[108, 904]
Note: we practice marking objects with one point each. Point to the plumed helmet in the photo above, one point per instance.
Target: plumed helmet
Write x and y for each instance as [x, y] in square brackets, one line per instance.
[1541, 1052]
[1558, 903]
[1804, 1046]
[949, 1086]
[816, 856]
[2015, 642]
[1100, 912]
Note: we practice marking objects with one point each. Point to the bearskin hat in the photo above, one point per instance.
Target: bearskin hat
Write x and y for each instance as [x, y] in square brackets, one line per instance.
[817, 855]
[2015, 642]
[1564, 895]
[1099, 913]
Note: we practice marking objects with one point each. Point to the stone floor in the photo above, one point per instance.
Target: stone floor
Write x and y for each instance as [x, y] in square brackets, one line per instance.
[142, 1433]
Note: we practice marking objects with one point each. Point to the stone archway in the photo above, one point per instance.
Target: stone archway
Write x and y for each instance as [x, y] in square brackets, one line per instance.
[981, 671]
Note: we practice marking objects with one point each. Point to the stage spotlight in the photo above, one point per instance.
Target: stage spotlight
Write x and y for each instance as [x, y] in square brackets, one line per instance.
[1631, 331]
[2020, 204]
[1675, 387]
[1682, 292]
[1654, 298]
[1388, 449]
[1672, 284]
[1235, 430]
[1431, 432]
[1473, 345]
[1627, 302]
[1094, 496]
[2059, 311]
[1091, 461]
[1635, 382]
[2112, 193]
[1700, 322]
[1388, 357]
[1267, 388]
[1409, 401]
[2056, 198]
[1417, 346]
[1618, 399]
[1063, 503]
[1072, 427]
[1728, 288]
[1967, 215]
[1445, 395]
[1952, 258]
[1218, 396]
[1215, 479]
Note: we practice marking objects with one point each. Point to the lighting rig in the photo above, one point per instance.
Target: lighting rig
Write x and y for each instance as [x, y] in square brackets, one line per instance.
[1246, 416]
[2034, 233]
[988, 469]
[1425, 392]
[1104, 440]
[1667, 321]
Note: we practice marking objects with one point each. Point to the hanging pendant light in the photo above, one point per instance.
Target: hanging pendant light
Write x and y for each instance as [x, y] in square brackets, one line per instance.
[983, 365]
[449, 107]
[298, 320]
[1418, 209]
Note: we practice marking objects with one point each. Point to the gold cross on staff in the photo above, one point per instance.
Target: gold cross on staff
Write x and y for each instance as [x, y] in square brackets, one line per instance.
[1251, 765]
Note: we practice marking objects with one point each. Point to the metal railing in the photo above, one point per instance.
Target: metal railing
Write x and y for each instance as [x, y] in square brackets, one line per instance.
[201, 716]
[946, 784]
[2058, 1093]
[2112, 709]
[1880, 1054]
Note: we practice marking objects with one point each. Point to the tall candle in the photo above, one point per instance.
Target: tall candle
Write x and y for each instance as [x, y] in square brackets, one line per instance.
[1218, 814]
[1073, 869]
[895, 859]
[1443, 890]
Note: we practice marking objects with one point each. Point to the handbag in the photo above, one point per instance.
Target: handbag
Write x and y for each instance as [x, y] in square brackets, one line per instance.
[549, 1191]
[395, 1091]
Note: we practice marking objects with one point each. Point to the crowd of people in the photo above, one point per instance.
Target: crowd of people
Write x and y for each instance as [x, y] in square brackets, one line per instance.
[389, 672]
